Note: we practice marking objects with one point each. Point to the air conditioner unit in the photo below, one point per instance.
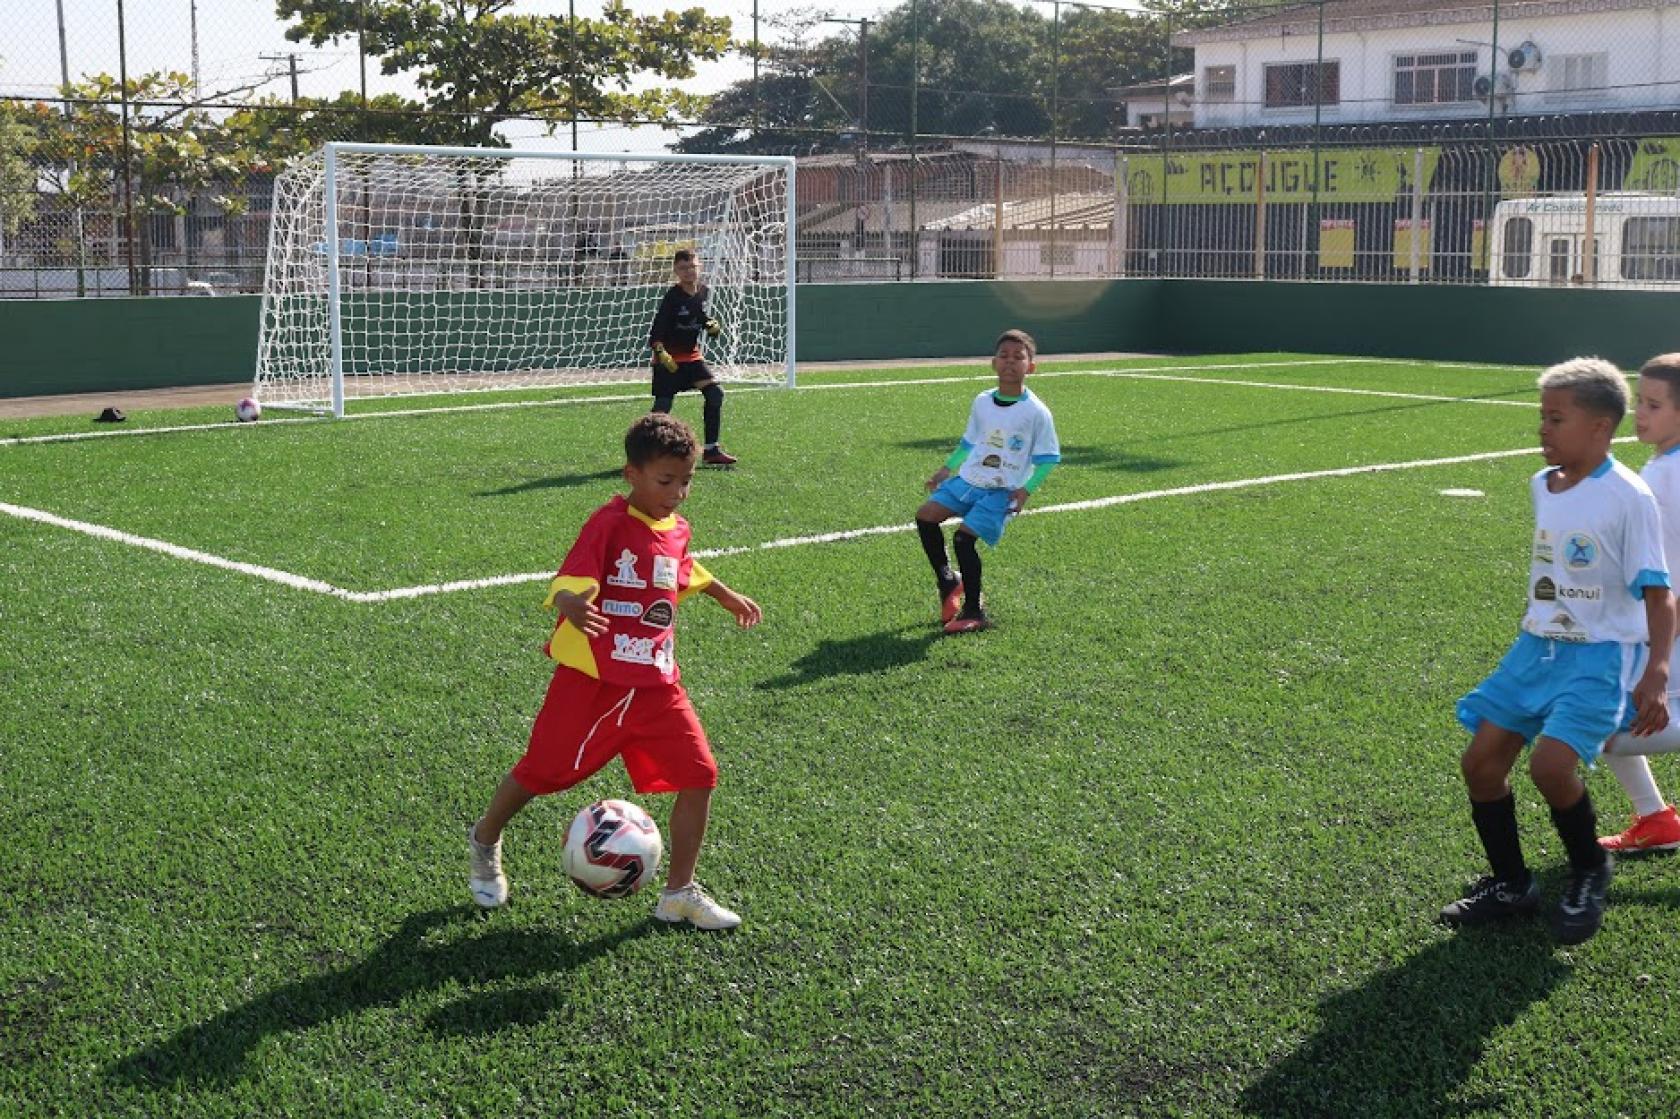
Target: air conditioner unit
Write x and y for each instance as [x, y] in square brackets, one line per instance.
[1486, 86]
[1524, 58]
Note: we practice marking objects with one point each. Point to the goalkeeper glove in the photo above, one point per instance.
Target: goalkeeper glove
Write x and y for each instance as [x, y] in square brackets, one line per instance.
[713, 328]
[664, 360]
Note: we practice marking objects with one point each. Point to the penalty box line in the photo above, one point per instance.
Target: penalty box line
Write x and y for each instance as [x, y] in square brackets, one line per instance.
[305, 583]
[906, 525]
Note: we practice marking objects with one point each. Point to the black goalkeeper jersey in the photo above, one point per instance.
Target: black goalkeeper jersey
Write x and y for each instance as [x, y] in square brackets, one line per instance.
[680, 321]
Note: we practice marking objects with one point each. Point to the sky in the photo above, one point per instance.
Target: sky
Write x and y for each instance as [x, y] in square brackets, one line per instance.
[240, 43]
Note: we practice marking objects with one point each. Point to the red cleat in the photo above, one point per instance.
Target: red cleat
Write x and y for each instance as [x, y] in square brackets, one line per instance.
[717, 456]
[951, 603]
[968, 623]
[1660, 831]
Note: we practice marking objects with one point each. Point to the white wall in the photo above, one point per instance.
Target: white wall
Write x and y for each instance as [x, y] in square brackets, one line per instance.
[1643, 48]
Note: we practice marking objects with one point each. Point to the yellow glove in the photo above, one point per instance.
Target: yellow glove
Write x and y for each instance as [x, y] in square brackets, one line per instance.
[664, 360]
[713, 328]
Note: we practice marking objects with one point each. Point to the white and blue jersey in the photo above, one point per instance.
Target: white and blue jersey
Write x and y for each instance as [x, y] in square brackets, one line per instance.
[1597, 547]
[1007, 441]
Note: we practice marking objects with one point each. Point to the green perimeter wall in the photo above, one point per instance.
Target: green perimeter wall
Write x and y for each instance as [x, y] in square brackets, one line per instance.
[104, 345]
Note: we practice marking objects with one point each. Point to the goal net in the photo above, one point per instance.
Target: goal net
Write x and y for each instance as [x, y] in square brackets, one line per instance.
[398, 270]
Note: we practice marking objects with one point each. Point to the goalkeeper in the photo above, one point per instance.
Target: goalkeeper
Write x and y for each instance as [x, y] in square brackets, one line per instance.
[677, 364]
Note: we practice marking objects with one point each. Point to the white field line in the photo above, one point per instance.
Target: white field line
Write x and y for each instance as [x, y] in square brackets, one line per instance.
[1150, 375]
[620, 398]
[301, 582]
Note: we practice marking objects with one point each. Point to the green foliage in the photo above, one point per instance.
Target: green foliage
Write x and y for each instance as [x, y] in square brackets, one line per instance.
[981, 68]
[17, 175]
[479, 64]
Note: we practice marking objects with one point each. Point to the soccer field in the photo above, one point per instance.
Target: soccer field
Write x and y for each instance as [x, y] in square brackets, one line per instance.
[1169, 839]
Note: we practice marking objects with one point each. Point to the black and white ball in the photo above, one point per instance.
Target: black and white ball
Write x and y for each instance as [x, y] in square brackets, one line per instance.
[612, 849]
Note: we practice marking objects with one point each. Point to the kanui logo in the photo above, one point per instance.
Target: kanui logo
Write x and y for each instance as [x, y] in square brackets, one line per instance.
[659, 615]
[1545, 590]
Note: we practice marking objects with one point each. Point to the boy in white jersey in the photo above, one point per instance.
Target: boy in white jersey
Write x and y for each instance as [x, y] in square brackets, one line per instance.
[1656, 826]
[1006, 452]
[1598, 589]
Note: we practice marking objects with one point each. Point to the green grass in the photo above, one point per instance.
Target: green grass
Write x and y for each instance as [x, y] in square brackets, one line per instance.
[1168, 840]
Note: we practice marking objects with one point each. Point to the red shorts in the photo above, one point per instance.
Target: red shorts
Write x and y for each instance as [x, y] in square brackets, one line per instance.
[585, 723]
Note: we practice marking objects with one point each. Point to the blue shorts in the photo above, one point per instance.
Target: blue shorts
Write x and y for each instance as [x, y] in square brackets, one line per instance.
[983, 509]
[1575, 693]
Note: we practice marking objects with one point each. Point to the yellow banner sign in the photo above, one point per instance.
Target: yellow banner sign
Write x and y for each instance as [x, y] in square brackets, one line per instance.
[1656, 166]
[1336, 241]
[1339, 175]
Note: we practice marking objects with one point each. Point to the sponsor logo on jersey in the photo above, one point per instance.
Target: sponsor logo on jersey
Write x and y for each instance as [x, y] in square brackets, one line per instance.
[665, 572]
[992, 460]
[625, 575]
[995, 439]
[1580, 551]
[642, 650]
[621, 609]
[1545, 590]
[1542, 547]
[659, 615]
[1016, 442]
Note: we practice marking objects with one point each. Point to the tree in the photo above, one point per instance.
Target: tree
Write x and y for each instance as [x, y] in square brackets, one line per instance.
[175, 154]
[981, 68]
[17, 176]
[478, 65]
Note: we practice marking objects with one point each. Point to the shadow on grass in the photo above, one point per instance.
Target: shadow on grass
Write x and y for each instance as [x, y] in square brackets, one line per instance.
[216, 1050]
[857, 656]
[557, 482]
[1084, 455]
[1405, 1042]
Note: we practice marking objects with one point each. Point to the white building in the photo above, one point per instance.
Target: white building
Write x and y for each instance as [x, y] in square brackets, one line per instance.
[1409, 60]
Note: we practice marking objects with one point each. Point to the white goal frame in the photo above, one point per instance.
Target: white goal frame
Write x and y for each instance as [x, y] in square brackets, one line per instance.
[302, 354]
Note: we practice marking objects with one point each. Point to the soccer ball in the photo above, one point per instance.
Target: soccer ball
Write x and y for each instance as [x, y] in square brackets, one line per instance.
[612, 849]
[247, 410]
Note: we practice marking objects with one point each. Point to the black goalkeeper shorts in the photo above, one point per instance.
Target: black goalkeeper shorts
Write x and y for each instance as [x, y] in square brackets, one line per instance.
[689, 374]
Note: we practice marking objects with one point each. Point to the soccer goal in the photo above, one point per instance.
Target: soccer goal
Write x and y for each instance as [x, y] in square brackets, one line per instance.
[399, 270]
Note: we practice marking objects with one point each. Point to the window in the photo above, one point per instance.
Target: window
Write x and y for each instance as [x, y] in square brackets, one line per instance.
[1519, 248]
[1435, 79]
[1219, 83]
[1579, 77]
[1651, 249]
[1295, 84]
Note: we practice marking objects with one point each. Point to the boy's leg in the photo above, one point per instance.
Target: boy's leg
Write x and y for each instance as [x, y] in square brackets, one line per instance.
[663, 404]
[1655, 826]
[964, 543]
[683, 899]
[1510, 890]
[930, 521]
[711, 411]
[1580, 912]
[484, 843]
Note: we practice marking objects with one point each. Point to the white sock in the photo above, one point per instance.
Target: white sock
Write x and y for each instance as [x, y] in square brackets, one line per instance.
[1633, 772]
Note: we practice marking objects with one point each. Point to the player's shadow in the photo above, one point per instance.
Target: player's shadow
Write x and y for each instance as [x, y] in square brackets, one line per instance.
[555, 482]
[1405, 1042]
[1323, 417]
[216, 1050]
[859, 656]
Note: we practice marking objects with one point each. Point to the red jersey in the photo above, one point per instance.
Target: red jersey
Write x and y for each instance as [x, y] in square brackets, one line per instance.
[635, 570]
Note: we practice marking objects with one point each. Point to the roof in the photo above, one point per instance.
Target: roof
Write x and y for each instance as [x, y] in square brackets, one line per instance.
[1177, 81]
[1377, 15]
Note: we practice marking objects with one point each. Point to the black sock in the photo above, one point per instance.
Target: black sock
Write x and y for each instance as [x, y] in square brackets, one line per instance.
[968, 562]
[1578, 825]
[933, 543]
[711, 413]
[1496, 824]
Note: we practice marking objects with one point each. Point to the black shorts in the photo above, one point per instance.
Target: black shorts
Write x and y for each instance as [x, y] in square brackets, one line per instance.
[689, 374]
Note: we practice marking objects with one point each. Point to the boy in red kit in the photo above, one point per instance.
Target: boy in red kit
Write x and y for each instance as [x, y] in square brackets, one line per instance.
[616, 691]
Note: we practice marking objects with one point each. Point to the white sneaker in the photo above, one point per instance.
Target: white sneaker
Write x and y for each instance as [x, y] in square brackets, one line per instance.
[694, 905]
[489, 884]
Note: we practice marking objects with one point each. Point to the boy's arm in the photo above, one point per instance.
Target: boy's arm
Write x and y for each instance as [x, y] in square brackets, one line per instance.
[1650, 695]
[662, 320]
[747, 612]
[954, 460]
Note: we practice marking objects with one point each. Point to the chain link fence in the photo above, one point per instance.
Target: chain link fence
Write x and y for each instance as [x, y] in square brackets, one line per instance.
[1418, 141]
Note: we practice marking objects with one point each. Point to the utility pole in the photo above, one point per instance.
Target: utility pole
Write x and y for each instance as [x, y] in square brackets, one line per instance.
[291, 59]
[64, 76]
[193, 15]
[863, 81]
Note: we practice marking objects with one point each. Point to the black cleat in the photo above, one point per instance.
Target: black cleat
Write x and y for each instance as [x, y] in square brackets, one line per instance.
[1580, 911]
[717, 456]
[1492, 899]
